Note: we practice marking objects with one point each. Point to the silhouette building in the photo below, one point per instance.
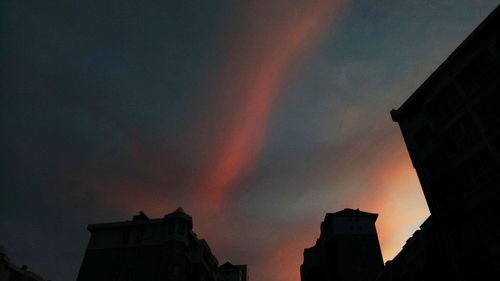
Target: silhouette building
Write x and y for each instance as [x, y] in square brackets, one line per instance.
[230, 272]
[148, 249]
[347, 249]
[451, 129]
[11, 272]
[423, 257]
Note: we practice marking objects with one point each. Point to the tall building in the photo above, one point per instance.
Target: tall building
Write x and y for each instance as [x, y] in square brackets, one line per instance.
[451, 129]
[423, 257]
[347, 249]
[148, 249]
[230, 272]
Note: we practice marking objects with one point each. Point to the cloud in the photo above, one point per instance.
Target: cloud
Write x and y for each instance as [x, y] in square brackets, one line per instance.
[257, 118]
[269, 41]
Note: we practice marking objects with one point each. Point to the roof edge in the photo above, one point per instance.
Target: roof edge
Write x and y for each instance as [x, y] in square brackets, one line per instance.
[397, 113]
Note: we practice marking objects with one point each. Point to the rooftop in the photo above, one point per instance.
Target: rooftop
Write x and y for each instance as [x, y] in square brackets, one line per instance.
[351, 212]
[142, 219]
[490, 22]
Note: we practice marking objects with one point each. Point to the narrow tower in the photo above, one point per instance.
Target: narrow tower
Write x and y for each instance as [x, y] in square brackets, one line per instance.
[347, 249]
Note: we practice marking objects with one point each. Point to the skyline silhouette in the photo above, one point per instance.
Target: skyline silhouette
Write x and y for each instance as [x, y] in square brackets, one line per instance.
[451, 126]
[257, 118]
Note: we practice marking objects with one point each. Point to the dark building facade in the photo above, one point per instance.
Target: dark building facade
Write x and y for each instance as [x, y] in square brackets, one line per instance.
[347, 249]
[230, 272]
[451, 127]
[423, 257]
[148, 249]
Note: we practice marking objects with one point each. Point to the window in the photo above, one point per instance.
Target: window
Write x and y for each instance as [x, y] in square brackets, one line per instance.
[486, 226]
[444, 103]
[464, 131]
[487, 110]
[423, 136]
[464, 239]
[477, 171]
[449, 201]
[433, 166]
[459, 135]
[464, 178]
[496, 43]
[138, 252]
[494, 211]
[496, 263]
[487, 62]
[445, 182]
[477, 72]
[482, 167]
[125, 236]
[449, 143]
[175, 270]
[180, 228]
[140, 236]
[497, 143]
[487, 219]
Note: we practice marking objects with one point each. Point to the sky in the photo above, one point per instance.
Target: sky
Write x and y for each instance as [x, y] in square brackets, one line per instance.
[257, 117]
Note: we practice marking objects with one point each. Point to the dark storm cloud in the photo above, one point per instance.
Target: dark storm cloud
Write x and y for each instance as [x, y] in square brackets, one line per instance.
[88, 89]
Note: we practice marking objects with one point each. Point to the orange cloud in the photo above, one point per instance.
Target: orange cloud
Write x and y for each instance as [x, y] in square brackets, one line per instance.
[273, 38]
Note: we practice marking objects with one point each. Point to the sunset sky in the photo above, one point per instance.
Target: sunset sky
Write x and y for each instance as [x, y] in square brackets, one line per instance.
[257, 117]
